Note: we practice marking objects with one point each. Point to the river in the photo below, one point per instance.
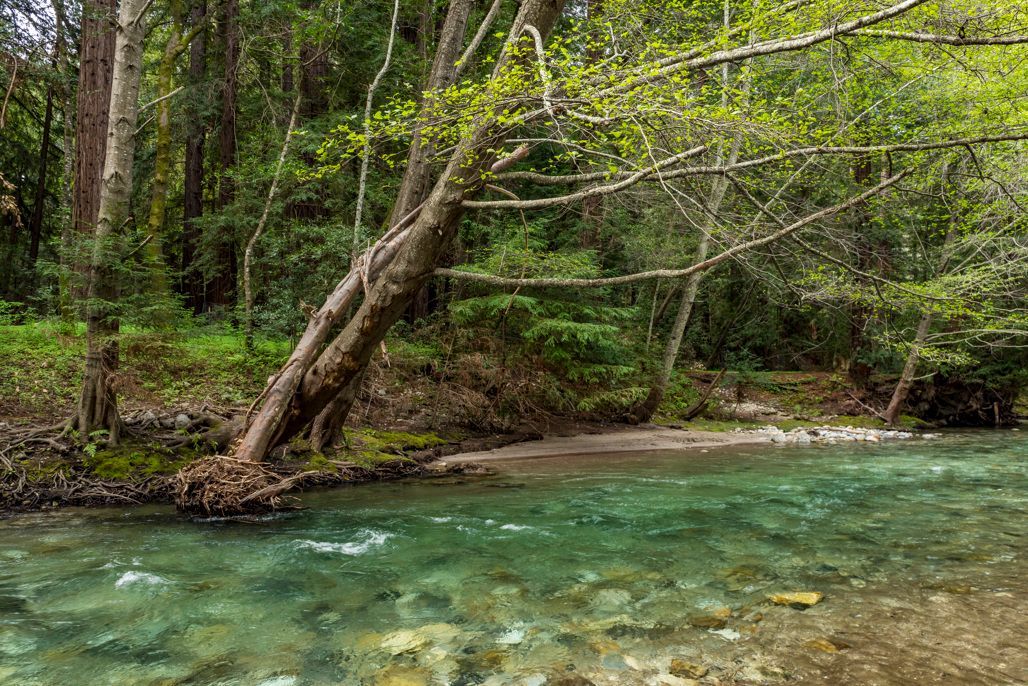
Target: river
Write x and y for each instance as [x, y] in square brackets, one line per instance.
[617, 569]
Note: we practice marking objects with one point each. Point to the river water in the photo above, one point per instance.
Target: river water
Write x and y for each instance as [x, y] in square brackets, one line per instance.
[600, 569]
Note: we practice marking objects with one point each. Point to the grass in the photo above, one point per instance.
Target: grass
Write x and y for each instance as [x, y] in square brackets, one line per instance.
[41, 368]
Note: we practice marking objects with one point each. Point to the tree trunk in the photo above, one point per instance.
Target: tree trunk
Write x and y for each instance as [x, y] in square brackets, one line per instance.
[417, 177]
[302, 389]
[96, 62]
[192, 203]
[220, 290]
[329, 423]
[36, 222]
[98, 407]
[178, 41]
[906, 380]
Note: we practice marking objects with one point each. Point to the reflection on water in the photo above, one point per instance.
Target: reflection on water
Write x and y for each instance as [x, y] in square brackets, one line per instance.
[605, 568]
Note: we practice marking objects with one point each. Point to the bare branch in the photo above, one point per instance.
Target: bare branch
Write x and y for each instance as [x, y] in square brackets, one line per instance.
[630, 180]
[673, 273]
[546, 180]
[920, 37]
[769, 47]
[476, 42]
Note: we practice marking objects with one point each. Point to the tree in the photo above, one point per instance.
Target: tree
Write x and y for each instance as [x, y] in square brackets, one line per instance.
[178, 41]
[98, 404]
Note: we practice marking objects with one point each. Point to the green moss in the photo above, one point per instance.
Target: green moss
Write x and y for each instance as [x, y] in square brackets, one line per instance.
[129, 463]
[370, 459]
[320, 463]
[392, 442]
[44, 470]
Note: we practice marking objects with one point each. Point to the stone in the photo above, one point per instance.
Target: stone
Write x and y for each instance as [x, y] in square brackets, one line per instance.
[570, 680]
[707, 622]
[722, 613]
[827, 645]
[400, 642]
[672, 680]
[800, 600]
[182, 421]
[687, 670]
[402, 676]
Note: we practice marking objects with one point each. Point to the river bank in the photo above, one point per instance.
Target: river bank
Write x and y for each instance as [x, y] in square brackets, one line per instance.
[182, 396]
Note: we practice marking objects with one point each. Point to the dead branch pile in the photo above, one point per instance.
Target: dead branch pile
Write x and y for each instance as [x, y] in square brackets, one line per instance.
[221, 486]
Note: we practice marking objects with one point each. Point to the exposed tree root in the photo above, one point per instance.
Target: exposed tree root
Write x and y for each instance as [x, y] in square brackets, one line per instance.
[222, 486]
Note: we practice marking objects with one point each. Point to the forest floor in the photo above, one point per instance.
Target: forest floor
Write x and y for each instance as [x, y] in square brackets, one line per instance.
[414, 410]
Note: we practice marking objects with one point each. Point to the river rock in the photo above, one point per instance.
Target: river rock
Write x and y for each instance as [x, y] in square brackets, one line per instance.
[672, 680]
[400, 642]
[800, 600]
[827, 645]
[569, 680]
[687, 670]
[707, 622]
[402, 676]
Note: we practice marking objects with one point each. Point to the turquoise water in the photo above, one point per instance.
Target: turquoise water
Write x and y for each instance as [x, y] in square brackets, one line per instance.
[606, 567]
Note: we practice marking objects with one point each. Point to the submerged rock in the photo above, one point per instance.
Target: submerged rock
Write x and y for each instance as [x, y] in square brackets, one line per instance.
[686, 669]
[400, 642]
[707, 622]
[402, 676]
[800, 600]
[827, 645]
[570, 680]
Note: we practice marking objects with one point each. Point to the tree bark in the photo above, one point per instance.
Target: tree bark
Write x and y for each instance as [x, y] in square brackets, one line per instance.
[417, 177]
[36, 221]
[178, 40]
[192, 204]
[98, 405]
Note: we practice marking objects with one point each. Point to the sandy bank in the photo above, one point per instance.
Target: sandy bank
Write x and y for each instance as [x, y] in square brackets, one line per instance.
[622, 440]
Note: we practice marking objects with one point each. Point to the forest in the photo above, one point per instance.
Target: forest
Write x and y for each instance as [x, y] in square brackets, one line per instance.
[751, 275]
[511, 211]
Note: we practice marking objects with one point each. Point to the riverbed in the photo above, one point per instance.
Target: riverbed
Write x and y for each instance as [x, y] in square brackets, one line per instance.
[640, 568]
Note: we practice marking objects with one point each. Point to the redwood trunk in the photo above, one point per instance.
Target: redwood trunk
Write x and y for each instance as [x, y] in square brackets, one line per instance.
[96, 62]
[221, 288]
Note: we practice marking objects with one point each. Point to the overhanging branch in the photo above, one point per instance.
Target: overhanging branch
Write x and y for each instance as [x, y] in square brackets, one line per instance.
[504, 282]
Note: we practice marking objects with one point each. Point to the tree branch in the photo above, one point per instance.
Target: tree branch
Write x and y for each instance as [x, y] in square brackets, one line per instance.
[672, 273]
[476, 42]
[545, 180]
[630, 180]
[919, 37]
